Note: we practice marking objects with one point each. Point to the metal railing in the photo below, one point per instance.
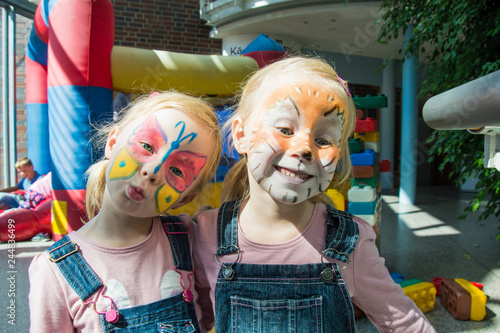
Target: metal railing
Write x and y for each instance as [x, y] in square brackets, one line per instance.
[10, 8]
[219, 12]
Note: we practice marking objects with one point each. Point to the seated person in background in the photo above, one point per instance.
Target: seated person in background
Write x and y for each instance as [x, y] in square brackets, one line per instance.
[32, 217]
[26, 170]
[37, 193]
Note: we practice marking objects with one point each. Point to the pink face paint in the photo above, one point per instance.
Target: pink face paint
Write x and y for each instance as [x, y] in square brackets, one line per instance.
[188, 163]
[151, 133]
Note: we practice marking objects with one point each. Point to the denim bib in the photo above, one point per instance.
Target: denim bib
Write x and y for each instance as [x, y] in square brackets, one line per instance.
[173, 314]
[284, 298]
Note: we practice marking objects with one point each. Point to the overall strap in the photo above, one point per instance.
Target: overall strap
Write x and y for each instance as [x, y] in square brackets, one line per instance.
[227, 228]
[178, 237]
[342, 235]
[74, 268]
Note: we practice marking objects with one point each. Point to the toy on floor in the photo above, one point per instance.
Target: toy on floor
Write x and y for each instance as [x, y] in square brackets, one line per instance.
[476, 300]
[437, 282]
[422, 293]
[463, 299]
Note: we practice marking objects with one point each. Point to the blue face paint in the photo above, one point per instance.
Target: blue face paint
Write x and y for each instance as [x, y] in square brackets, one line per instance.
[176, 144]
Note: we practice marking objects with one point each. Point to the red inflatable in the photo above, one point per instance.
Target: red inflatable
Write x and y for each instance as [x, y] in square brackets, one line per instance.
[26, 223]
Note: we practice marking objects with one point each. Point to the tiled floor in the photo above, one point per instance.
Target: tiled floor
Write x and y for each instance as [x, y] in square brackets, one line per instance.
[422, 241]
[428, 240]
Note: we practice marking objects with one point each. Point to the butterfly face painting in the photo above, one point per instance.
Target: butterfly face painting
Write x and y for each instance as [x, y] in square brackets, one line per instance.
[163, 155]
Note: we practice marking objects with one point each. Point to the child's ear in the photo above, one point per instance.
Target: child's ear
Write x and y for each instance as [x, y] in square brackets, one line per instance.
[187, 199]
[110, 143]
[239, 139]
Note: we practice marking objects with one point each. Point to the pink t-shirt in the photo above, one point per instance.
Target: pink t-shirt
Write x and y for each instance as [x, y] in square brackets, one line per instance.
[367, 279]
[135, 275]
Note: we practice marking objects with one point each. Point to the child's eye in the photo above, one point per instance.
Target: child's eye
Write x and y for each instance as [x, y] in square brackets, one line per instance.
[322, 142]
[147, 147]
[285, 131]
[176, 171]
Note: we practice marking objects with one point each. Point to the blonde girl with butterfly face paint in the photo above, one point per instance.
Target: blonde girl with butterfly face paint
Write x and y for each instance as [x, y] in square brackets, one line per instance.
[129, 268]
[285, 259]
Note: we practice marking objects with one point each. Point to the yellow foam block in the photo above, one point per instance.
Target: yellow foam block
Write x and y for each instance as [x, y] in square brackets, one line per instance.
[367, 136]
[478, 300]
[337, 198]
[210, 197]
[423, 294]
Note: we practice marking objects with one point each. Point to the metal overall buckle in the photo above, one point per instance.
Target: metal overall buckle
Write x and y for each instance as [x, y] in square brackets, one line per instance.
[327, 274]
[227, 270]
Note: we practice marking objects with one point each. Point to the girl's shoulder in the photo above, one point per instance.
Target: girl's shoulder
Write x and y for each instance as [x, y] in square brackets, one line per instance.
[365, 229]
[206, 216]
[42, 265]
[183, 217]
[205, 223]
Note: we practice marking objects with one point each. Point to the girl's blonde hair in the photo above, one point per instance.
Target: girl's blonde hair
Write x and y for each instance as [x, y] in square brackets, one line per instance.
[138, 111]
[264, 80]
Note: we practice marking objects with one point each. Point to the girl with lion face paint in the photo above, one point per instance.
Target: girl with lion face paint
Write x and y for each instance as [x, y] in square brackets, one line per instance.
[282, 253]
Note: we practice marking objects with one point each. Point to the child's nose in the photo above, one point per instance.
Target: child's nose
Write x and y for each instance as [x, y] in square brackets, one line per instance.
[301, 148]
[148, 172]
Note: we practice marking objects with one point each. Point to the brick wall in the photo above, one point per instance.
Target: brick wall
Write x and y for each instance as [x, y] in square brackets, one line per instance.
[172, 25]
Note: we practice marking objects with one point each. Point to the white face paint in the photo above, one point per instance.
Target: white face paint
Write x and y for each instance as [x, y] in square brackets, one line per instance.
[294, 142]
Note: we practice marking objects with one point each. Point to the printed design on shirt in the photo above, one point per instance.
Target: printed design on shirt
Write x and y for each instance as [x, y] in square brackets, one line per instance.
[116, 290]
[169, 286]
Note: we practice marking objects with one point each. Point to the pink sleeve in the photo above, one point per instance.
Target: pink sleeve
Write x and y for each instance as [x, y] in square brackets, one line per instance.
[382, 300]
[48, 307]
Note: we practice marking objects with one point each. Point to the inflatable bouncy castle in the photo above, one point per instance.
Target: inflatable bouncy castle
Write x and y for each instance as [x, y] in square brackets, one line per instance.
[69, 87]
[72, 70]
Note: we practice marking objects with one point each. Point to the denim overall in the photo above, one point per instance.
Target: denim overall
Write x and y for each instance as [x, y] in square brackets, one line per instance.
[173, 314]
[284, 298]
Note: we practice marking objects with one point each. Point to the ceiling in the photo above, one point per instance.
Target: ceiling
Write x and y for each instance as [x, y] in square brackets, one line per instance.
[349, 29]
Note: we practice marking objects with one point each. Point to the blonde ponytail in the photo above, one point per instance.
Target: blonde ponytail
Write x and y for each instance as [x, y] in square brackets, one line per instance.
[236, 182]
[96, 184]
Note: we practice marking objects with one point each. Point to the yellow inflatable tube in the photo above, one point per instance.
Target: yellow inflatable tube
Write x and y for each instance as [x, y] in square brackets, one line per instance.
[137, 70]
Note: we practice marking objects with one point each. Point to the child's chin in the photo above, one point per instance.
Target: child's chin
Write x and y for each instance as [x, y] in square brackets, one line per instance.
[290, 198]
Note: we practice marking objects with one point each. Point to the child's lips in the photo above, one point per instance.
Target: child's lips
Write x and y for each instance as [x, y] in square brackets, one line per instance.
[135, 193]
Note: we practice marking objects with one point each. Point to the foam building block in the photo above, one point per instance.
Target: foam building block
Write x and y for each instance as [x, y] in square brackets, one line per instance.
[370, 102]
[366, 125]
[455, 299]
[368, 157]
[423, 294]
[372, 219]
[337, 198]
[358, 194]
[397, 277]
[384, 166]
[375, 146]
[356, 146]
[362, 208]
[478, 300]
[362, 182]
[367, 136]
[410, 282]
[364, 171]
